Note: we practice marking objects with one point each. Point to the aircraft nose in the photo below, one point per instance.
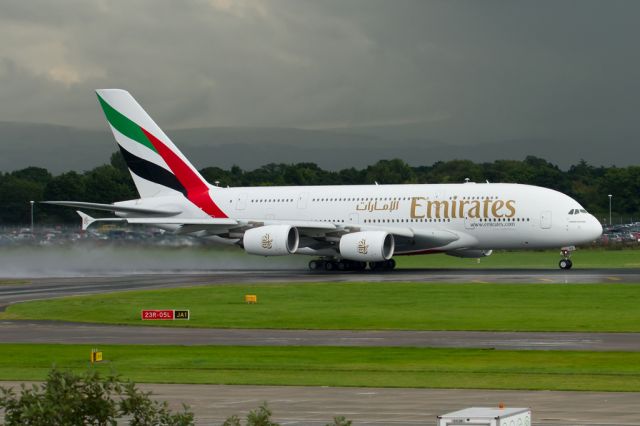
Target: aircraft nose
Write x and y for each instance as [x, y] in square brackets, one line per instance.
[594, 228]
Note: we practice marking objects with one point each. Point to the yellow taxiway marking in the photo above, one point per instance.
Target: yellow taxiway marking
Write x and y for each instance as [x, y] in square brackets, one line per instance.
[546, 280]
[480, 282]
[614, 278]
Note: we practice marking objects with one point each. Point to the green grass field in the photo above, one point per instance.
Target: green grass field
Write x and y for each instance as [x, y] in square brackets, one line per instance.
[14, 282]
[337, 366]
[547, 259]
[378, 306]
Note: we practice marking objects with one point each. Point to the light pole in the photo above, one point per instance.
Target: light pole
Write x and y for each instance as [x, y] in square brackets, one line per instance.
[31, 202]
[610, 209]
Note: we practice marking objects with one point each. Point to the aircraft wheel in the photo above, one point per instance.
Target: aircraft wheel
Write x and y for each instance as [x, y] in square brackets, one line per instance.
[343, 265]
[374, 266]
[314, 265]
[390, 264]
[565, 264]
[329, 266]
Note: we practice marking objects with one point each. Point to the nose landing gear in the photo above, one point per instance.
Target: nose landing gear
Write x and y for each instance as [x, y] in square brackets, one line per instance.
[566, 263]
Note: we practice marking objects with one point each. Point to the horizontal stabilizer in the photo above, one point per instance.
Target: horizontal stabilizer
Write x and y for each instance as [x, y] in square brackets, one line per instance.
[112, 208]
[87, 220]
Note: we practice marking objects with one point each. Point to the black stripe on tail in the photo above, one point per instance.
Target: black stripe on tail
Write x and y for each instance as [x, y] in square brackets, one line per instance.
[152, 172]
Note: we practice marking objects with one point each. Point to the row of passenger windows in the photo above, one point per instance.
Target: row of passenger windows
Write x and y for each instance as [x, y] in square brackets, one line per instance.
[404, 220]
[362, 199]
[397, 198]
[502, 219]
[273, 200]
[290, 200]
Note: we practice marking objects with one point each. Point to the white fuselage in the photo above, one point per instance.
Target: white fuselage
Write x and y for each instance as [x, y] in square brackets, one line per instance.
[484, 216]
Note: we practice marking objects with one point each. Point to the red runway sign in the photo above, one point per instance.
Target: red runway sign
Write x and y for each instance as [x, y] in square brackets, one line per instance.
[164, 314]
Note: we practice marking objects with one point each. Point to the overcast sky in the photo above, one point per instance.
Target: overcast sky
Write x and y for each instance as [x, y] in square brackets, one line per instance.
[462, 71]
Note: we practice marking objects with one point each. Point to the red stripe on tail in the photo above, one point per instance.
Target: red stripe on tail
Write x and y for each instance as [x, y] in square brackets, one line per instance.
[197, 189]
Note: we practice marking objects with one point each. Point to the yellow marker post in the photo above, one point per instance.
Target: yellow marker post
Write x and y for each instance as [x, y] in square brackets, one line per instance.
[250, 298]
[96, 356]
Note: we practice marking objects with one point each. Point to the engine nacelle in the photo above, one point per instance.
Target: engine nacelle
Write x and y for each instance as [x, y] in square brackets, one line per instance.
[367, 246]
[472, 254]
[271, 240]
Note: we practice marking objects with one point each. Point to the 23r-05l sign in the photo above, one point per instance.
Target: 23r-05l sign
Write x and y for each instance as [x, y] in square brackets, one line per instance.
[164, 314]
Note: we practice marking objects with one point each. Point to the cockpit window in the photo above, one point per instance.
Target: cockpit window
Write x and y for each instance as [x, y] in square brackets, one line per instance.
[577, 211]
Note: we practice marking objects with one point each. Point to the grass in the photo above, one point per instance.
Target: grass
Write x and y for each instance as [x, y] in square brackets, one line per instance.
[364, 306]
[337, 366]
[547, 259]
[14, 282]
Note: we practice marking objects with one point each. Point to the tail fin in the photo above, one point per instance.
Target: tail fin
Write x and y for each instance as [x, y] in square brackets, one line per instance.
[156, 165]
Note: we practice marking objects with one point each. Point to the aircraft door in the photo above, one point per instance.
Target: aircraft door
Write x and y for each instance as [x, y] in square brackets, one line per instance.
[545, 219]
[241, 201]
[302, 200]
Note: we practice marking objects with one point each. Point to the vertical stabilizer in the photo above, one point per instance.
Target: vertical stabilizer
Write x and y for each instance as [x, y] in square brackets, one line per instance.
[157, 167]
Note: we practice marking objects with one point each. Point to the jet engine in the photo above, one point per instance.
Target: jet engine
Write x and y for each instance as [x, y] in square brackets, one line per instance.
[367, 246]
[473, 254]
[271, 240]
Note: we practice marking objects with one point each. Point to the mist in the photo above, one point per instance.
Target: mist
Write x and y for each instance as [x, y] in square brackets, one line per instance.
[93, 260]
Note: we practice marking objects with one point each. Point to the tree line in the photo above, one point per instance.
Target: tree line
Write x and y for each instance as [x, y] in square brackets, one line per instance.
[588, 184]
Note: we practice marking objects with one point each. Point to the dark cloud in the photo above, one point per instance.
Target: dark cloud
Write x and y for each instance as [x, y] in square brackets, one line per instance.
[447, 72]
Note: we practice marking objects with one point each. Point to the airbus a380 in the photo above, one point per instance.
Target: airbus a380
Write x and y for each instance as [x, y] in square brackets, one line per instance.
[345, 227]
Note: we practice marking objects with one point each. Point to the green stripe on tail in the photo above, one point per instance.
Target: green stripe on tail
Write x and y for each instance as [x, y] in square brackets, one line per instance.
[124, 125]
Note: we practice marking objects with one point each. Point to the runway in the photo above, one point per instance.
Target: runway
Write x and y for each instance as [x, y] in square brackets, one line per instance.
[47, 288]
[80, 333]
[61, 332]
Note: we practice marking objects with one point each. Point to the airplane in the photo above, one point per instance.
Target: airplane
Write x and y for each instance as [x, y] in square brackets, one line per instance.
[345, 227]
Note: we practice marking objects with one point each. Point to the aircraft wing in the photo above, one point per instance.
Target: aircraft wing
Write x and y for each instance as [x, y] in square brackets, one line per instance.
[321, 231]
[112, 208]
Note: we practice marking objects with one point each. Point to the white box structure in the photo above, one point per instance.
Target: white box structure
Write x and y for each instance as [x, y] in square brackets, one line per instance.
[487, 416]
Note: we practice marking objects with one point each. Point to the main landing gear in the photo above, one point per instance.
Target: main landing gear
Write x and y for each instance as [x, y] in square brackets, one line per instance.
[350, 265]
[566, 263]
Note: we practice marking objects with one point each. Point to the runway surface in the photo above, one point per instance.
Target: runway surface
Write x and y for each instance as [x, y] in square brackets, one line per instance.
[61, 332]
[314, 406]
[79, 333]
[47, 288]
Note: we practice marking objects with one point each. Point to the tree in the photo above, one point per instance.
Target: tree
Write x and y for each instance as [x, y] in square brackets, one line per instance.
[70, 399]
[390, 172]
[67, 186]
[106, 184]
[33, 174]
[260, 417]
[117, 161]
[15, 194]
